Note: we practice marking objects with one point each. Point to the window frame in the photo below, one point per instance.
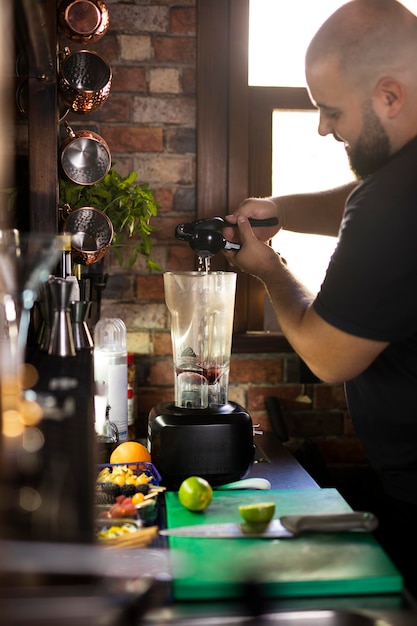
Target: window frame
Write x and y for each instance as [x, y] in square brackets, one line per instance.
[234, 145]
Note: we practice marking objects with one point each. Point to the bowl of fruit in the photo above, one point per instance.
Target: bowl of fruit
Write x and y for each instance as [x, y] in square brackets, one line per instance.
[128, 486]
[124, 533]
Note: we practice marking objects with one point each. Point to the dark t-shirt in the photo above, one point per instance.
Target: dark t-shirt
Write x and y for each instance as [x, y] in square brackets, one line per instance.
[370, 290]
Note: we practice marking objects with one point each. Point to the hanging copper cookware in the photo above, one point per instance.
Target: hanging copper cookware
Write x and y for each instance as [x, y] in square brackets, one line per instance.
[85, 157]
[91, 234]
[84, 80]
[83, 21]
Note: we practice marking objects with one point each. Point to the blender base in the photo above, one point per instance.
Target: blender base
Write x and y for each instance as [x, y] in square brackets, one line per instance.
[214, 443]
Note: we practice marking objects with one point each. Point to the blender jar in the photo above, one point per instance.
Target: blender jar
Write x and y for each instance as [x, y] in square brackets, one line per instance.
[201, 305]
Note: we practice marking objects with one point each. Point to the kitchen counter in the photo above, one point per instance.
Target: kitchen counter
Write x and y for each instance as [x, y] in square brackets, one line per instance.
[274, 462]
[277, 464]
[110, 604]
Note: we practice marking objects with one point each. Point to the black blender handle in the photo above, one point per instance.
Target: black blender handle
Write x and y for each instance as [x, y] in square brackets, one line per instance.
[268, 221]
[207, 243]
[219, 222]
[187, 231]
[205, 236]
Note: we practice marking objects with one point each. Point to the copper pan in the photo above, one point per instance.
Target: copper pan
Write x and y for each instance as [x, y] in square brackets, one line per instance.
[84, 80]
[91, 234]
[85, 157]
[83, 21]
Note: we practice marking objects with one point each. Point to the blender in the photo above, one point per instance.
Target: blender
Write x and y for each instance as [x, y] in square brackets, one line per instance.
[201, 433]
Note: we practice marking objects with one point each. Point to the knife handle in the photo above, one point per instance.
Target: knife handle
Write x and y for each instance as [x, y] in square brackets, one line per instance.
[337, 522]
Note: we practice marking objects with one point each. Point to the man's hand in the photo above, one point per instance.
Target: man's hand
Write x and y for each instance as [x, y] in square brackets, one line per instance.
[333, 355]
[255, 257]
[259, 208]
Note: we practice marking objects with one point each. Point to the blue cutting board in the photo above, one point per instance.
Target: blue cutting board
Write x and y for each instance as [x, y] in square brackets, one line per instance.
[325, 564]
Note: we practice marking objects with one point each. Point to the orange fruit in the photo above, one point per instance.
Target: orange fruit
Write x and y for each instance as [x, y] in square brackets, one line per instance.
[142, 479]
[130, 452]
[138, 498]
[195, 493]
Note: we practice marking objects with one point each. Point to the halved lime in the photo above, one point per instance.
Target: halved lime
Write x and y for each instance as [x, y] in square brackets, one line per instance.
[258, 513]
[195, 493]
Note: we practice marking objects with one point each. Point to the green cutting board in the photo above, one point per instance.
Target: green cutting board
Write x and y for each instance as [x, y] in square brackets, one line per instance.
[320, 564]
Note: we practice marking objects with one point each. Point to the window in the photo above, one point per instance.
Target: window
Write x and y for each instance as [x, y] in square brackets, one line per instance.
[283, 30]
[280, 29]
[238, 123]
[302, 161]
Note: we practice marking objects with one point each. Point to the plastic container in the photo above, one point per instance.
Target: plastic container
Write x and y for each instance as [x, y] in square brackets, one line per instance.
[131, 395]
[141, 467]
[110, 369]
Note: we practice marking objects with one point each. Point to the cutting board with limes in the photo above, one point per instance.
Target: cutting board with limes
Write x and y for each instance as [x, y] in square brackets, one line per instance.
[321, 564]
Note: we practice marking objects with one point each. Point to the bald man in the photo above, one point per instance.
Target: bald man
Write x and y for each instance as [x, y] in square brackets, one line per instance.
[361, 328]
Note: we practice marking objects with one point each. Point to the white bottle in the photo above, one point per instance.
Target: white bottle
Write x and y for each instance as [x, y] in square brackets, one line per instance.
[110, 369]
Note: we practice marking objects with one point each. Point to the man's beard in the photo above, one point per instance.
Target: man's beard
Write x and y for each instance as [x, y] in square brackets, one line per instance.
[372, 149]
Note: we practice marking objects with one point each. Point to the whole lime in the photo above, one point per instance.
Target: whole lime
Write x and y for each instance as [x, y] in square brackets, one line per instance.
[195, 493]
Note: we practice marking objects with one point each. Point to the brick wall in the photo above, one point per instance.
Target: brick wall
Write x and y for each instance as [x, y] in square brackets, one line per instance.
[149, 122]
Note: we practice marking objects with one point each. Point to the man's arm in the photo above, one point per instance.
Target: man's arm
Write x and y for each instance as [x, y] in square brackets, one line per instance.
[318, 213]
[333, 355]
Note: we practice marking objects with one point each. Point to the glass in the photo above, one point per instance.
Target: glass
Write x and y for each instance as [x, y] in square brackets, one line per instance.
[26, 260]
[201, 305]
[47, 445]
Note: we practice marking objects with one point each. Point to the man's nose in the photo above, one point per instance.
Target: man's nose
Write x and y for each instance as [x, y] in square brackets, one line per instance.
[324, 127]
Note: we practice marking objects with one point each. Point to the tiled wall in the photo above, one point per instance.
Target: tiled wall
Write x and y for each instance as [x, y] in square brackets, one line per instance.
[149, 122]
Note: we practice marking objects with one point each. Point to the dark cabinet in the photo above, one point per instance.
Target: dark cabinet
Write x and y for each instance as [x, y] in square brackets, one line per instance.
[36, 170]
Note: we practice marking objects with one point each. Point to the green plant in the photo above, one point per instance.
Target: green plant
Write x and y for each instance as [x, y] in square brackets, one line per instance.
[129, 207]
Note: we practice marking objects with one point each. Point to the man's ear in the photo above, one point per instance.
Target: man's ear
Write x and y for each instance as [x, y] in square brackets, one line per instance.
[389, 97]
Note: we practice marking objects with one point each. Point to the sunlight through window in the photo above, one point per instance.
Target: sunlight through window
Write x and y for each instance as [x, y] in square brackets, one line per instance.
[302, 161]
[283, 30]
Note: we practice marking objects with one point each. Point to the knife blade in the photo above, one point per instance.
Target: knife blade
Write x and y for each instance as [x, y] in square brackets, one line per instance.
[285, 527]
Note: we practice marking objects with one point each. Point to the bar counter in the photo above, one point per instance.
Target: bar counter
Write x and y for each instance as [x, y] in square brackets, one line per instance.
[133, 587]
[275, 462]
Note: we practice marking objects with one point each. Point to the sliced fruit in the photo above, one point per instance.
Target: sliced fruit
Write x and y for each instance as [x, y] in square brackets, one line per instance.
[258, 513]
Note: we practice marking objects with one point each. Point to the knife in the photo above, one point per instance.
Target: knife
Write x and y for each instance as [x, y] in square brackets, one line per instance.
[283, 528]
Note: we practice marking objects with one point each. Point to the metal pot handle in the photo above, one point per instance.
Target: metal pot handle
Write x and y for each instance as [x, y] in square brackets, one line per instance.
[65, 210]
[70, 131]
[63, 54]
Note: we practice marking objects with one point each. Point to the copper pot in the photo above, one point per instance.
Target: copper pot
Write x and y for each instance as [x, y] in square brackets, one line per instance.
[84, 80]
[91, 234]
[83, 21]
[85, 157]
